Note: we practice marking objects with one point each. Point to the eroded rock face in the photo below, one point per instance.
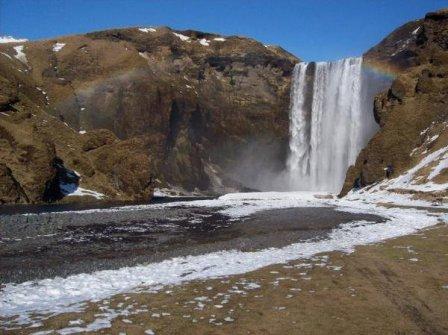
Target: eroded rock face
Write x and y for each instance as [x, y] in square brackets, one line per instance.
[416, 102]
[125, 108]
[32, 140]
[10, 189]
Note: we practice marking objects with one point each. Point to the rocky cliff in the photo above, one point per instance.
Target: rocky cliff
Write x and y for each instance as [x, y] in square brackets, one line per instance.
[112, 114]
[413, 113]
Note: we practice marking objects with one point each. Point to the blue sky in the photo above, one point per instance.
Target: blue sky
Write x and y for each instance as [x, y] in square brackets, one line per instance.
[312, 30]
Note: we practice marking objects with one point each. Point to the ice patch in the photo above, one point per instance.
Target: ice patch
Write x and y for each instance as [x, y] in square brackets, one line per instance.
[58, 46]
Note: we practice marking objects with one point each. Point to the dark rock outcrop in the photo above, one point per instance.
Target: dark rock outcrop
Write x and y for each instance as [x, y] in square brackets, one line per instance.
[64, 182]
[416, 105]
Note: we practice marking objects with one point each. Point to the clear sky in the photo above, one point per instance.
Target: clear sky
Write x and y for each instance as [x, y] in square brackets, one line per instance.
[312, 30]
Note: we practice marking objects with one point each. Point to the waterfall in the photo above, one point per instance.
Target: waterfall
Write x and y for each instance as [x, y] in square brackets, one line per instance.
[331, 120]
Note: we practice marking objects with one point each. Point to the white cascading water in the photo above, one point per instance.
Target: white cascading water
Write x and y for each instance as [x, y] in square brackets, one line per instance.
[331, 120]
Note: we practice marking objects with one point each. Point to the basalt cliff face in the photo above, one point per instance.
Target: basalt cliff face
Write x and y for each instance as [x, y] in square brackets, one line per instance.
[413, 113]
[112, 114]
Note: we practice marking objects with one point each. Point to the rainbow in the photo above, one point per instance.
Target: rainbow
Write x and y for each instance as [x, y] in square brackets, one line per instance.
[381, 68]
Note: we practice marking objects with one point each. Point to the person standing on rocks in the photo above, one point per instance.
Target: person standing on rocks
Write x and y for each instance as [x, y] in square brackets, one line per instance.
[389, 171]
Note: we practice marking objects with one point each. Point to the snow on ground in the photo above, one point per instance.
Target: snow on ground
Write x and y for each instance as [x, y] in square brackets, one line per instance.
[58, 46]
[183, 37]
[410, 179]
[147, 30]
[72, 188]
[441, 165]
[58, 295]
[159, 192]
[20, 55]
[85, 192]
[10, 39]
[219, 39]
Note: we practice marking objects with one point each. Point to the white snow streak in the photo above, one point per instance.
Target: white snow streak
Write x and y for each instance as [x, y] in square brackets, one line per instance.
[85, 192]
[183, 37]
[20, 55]
[147, 30]
[407, 180]
[441, 165]
[58, 46]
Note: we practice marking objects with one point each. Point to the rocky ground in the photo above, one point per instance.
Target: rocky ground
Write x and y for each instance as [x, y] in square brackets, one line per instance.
[41, 246]
[397, 287]
[232, 264]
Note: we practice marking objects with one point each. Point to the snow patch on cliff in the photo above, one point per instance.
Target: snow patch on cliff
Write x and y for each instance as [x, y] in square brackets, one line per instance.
[182, 37]
[20, 54]
[409, 180]
[147, 30]
[204, 42]
[58, 46]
